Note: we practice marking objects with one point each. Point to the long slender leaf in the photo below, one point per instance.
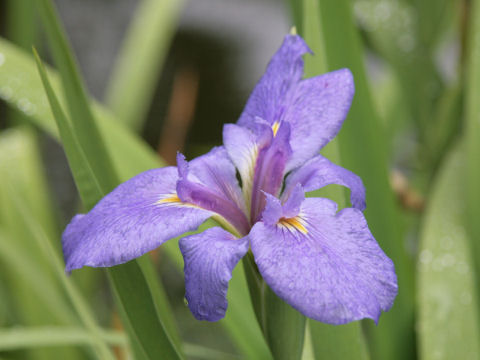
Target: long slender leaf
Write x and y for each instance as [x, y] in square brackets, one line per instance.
[34, 337]
[201, 352]
[472, 127]
[20, 28]
[447, 300]
[42, 287]
[149, 331]
[140, 60]
[146, 330]
[345, 341]
[38, 297]
[82, 120]
[79, 303]
[363, 150]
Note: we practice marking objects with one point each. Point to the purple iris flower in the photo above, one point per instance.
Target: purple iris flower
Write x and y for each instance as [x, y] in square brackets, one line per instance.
[323, 262]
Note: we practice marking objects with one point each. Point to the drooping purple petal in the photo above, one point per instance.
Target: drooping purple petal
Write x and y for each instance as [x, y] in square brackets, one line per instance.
[319, 172]
[325, 264]
[283, 72]
[136, 217]
[209, 261]
[315, 110]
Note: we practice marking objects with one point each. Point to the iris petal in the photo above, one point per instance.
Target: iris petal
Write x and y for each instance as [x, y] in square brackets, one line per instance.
[209, 261]
[283, 72]
[216, 171]
[209, 182]
[315, 110]
[319, 172]
[270, 170]
[332, 271]
[136, 217]
[243, 146]
[314, 107]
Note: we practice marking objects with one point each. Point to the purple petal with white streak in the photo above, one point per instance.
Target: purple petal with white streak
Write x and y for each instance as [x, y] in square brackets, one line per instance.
[336, 273]
[209, 261]
[243, 146]
[129, 222]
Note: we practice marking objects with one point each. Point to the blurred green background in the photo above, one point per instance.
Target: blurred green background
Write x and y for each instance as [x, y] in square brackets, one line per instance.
[165, 75]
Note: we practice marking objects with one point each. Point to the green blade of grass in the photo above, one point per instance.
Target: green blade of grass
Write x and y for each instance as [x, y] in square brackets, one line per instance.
[37, 233]
[36, 296]
[447, 300]
[129, 282]
[82, 120]
[405, 36]
[42, 336]
[135, 75]
[20, 28]
[472, 135]
[363, 151]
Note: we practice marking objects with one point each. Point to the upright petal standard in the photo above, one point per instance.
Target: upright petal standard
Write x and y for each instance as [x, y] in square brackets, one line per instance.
[323, 262]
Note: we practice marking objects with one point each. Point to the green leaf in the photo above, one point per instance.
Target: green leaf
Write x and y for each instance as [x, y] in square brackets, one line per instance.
[140, 60]
[283, 327]
[21, 88]
[41, 336]
[20, 28]
[138, 312]
[87, 181]
[82, 308]
[146, 330]
[240, 318]
[20, 22]
[472, 134]
[36, 296]
[397, 31]
[83, 123]
[201, 352]
[338, 342]
[447, 298]
[363, 150]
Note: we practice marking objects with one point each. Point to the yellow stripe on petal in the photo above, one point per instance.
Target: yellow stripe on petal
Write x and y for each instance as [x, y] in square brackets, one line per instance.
[171, 199]
[275, 127]
[174, 200]
[294, 223]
